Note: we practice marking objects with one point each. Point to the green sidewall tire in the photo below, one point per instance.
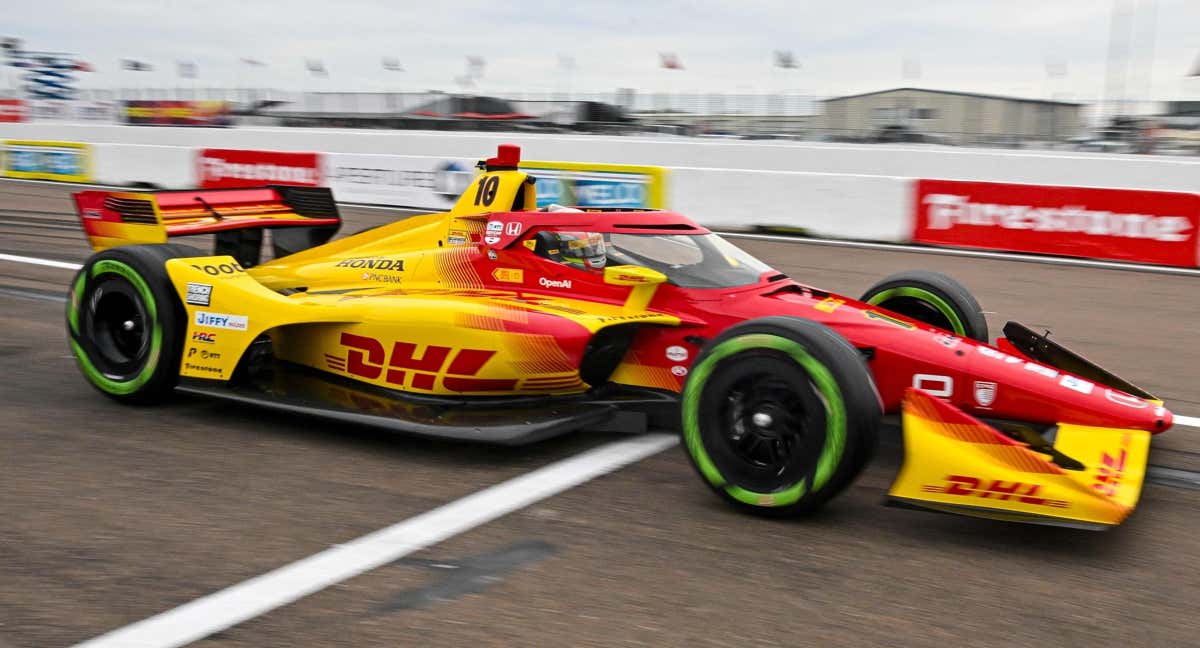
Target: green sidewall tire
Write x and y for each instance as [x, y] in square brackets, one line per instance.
[932, 298]
[142, 269]
[838, 441]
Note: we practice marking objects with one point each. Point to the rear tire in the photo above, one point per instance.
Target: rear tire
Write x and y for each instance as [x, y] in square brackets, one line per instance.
[125, 322]
[779, 414]
[932, 298]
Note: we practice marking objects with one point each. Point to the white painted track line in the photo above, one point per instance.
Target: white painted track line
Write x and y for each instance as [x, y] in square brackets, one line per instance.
[1189, 421]
[41, 262]
[204, 616]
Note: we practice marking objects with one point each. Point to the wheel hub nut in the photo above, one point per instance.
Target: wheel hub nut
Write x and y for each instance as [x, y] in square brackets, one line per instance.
[762, 419]
[127, 325]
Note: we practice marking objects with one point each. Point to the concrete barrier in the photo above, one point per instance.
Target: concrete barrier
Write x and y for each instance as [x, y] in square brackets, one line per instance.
[164, 167]
[914, 160]
[830, 190]
[826, 205]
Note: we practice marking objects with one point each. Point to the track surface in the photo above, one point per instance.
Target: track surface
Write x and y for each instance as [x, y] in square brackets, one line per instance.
[111, 514]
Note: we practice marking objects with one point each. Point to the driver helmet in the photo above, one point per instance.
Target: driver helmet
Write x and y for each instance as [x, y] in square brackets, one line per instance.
[584, 250]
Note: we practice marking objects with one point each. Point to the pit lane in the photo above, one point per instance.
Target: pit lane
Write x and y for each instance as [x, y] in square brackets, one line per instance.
[115, 514]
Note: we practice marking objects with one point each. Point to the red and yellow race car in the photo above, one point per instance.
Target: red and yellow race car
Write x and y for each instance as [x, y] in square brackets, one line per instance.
[501, 322]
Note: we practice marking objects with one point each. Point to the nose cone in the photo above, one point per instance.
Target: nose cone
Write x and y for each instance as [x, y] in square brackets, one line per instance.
[1026, 390]
[1165, 419]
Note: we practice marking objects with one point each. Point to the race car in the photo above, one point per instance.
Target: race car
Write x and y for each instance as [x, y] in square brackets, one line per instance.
[501, 322]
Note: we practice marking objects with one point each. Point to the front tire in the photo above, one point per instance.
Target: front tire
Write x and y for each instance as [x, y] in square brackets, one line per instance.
[779, 414]
[932, 298]
[125, 322]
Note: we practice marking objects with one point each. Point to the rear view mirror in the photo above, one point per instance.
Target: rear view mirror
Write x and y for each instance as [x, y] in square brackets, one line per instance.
[631, 275]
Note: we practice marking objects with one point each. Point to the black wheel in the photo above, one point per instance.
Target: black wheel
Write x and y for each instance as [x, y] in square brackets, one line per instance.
[779, 414]
[932, 298]
[125, 323]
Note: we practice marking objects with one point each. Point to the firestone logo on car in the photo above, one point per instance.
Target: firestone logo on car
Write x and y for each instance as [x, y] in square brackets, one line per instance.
[947, 210]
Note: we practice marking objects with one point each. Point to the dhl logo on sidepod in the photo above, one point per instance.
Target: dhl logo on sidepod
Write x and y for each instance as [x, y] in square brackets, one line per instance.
[404, 367]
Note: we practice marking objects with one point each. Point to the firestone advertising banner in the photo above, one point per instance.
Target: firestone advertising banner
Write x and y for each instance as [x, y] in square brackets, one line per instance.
[247, 168]
[13, 110]
[1158, 227]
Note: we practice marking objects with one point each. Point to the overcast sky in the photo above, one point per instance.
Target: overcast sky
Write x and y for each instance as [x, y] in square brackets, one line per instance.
[842, 46]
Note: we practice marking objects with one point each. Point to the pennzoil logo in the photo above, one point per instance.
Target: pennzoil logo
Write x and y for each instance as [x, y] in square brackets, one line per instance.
[396, 265]
[999, 490]
[409, 365]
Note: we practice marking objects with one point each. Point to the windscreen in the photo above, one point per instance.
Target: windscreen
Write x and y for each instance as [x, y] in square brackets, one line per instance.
[689, 261]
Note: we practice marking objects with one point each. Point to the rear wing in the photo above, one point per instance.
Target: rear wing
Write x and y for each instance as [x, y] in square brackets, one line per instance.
[301, 217]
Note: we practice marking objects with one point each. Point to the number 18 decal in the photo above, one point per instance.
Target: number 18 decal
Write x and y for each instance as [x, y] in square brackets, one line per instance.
[485, 194]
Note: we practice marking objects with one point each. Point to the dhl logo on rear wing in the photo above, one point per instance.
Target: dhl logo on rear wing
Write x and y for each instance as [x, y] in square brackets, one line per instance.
[236, 216]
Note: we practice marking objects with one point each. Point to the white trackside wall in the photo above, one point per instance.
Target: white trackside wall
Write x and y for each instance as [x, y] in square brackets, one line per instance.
[863, 192]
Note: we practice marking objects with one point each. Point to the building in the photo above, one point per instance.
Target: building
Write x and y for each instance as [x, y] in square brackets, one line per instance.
[916, 114]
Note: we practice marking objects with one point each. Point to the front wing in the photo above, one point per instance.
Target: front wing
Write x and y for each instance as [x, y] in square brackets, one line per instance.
[1086, 477]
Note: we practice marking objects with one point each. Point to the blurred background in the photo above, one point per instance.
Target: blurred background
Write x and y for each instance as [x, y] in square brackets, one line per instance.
[1117, 76]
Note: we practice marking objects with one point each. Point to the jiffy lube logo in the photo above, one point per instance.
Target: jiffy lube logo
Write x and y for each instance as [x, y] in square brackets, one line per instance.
[222, 321]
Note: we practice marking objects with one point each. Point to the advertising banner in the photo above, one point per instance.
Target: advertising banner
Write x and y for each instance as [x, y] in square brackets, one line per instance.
[13, 110]
[406, 181]
[435, 183]
[247, 168]
[177, 113]
[598, 185]
[55, 110]
[37, 160]
[1157, 227]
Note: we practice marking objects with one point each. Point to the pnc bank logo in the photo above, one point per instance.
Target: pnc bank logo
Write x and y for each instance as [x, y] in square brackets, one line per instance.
[408, 365]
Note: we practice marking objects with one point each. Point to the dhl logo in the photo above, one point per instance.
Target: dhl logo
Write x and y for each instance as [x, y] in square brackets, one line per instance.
[405, 367]
[1110, 472]
[998, 490]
